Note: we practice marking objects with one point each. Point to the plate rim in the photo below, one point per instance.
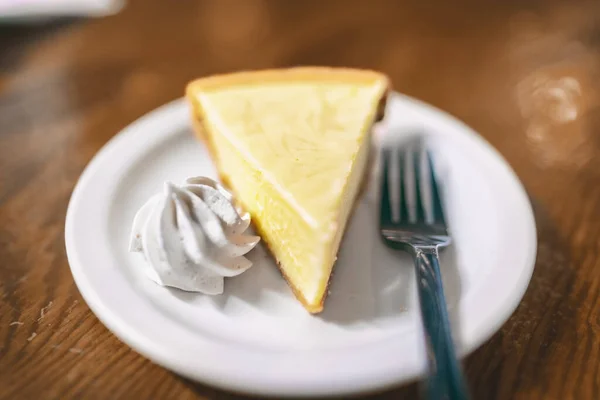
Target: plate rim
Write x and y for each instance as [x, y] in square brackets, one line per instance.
[376, 379]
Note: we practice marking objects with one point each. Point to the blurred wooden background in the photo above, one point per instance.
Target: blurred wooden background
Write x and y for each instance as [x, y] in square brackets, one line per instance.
[523, 73]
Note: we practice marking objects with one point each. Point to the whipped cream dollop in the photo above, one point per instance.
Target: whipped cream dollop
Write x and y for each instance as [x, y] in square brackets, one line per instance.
[192, 236]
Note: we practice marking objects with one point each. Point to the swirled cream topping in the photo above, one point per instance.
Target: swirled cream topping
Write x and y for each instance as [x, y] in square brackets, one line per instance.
[192, 236]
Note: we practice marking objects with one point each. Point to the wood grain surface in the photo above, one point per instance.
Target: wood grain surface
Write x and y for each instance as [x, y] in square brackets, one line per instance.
[523, 73]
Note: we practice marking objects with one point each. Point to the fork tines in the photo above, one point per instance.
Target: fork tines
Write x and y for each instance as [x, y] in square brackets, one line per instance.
[410, 194]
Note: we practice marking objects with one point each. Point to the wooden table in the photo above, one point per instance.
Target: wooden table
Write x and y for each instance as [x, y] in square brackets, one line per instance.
[523, 73]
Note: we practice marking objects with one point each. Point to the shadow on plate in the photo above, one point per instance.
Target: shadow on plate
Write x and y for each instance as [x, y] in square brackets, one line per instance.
[371, 284]
[375, 283]
[261, 287]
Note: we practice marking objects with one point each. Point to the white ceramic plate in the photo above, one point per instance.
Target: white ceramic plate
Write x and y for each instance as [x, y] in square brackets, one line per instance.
[255, 337]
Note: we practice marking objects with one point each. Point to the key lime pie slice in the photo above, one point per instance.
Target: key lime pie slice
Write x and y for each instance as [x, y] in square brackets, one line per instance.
[293, 145]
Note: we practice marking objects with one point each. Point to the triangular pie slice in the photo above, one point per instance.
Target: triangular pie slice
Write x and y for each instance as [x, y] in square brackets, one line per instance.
[293, 145]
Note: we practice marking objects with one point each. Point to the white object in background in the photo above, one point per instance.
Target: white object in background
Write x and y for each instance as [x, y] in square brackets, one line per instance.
[256, 337]
[23, 10]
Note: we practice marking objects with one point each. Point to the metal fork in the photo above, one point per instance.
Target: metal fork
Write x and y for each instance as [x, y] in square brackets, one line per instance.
[412, 219]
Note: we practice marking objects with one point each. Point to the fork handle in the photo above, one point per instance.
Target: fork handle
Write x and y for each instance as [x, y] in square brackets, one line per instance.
[445, 380]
